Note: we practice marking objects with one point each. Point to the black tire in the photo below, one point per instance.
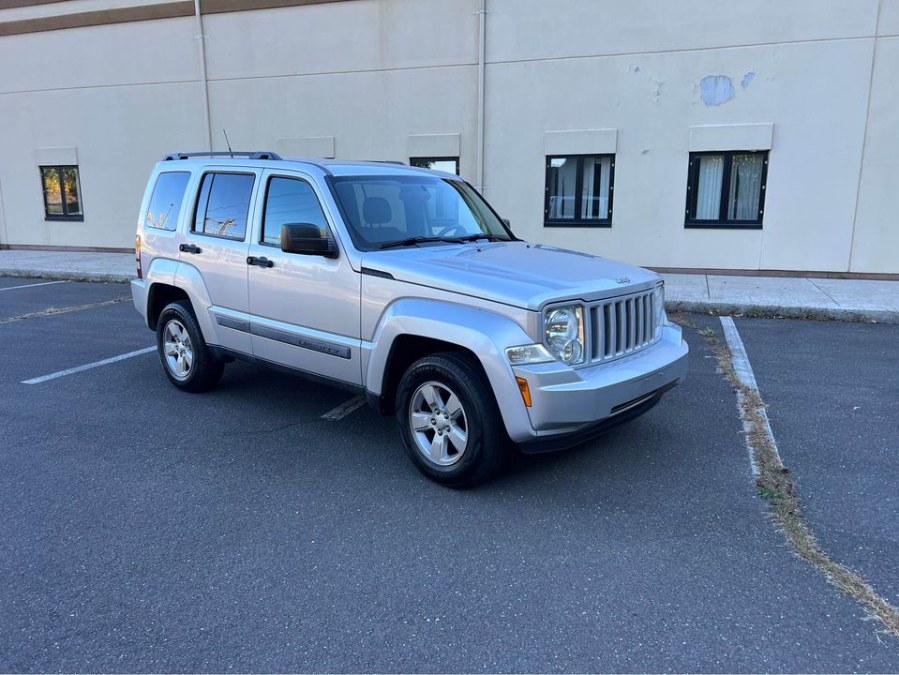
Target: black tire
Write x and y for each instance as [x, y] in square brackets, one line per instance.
[485, 443]
[177, 322]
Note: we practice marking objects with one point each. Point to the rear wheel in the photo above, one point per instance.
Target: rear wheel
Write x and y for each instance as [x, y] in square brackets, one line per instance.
[449, 420]
[185, 358]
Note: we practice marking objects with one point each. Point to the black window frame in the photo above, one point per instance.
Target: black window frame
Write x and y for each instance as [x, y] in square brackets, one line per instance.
[577, 221]
[193, 225]
[693, 190]
[449, 158]
[64, 216]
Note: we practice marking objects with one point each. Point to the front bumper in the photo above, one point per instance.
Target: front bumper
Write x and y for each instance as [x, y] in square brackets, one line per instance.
[570, 402]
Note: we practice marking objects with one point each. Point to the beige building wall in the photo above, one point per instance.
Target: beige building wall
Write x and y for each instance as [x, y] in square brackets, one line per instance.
[108, 97]
[381, 79]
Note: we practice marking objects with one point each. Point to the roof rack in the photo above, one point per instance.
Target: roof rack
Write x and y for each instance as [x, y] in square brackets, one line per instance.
[247, 155]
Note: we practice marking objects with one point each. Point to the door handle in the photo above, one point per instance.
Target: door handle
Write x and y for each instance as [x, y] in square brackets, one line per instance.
[262, 261]
[189, 248]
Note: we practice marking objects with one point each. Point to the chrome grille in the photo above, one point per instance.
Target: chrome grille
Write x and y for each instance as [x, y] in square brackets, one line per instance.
[621, 326]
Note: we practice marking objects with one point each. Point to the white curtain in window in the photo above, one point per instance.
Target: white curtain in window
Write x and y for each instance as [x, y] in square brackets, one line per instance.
[708, 195]
[595, 188]
[745, 187]
[561, 199]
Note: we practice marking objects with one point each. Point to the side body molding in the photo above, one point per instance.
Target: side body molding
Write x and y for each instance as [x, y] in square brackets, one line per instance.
[482, 332]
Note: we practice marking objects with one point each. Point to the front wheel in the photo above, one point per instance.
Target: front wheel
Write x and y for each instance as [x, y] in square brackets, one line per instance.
[185, 358]
[449, 420]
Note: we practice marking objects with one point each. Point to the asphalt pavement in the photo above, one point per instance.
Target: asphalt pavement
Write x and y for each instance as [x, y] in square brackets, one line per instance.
[833, 396]
[146, 529]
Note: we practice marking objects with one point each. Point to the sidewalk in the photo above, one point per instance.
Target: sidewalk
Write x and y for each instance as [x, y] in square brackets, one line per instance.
[788, 297]
[73, 266]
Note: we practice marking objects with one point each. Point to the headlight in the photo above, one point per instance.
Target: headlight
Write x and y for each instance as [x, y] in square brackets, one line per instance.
[564, 332]
[658, 300]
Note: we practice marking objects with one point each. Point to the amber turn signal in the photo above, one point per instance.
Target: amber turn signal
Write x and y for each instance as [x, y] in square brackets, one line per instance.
[525, 391]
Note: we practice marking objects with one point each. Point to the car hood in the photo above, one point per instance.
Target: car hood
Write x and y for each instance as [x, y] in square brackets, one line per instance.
[514, 273]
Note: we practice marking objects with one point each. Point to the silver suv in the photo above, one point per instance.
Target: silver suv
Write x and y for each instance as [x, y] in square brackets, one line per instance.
[405, 284]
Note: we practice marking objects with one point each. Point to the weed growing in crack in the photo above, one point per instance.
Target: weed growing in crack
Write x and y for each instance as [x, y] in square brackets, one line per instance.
[775, 485]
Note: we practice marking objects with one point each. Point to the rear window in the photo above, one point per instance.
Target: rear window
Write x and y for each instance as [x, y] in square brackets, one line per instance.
[165, 204]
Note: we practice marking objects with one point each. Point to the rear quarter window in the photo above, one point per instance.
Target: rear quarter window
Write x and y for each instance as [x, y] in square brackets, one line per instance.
[165, 204]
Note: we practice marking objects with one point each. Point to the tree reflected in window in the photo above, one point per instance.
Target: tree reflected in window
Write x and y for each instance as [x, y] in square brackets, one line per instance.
[62, 193]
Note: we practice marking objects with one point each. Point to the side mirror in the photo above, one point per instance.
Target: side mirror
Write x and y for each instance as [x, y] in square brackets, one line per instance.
[307, 239]
[507, 223]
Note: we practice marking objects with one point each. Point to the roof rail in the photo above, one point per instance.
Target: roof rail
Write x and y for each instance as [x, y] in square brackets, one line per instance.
[247, 155]
[387, 161]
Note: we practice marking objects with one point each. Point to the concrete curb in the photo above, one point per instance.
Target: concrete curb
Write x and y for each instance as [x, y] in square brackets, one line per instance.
[781, 312]
[60, 275]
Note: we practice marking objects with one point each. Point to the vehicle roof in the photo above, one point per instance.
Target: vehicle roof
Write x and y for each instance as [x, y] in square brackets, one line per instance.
[334, 167]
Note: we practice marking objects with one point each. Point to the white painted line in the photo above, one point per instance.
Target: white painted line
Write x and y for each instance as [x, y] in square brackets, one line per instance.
[344, 409]
[43, 283]
[95, 364]
[746, 376]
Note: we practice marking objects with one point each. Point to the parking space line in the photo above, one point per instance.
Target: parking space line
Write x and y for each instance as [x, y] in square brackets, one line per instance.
[50, 311]
[344, 409]
[88, 366]
[745, 375]
[43, 283]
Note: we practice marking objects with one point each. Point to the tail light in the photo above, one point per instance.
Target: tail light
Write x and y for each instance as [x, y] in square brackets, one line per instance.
[140, 271]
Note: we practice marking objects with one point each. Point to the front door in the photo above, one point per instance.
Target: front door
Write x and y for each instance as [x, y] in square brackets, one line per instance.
[305, 309]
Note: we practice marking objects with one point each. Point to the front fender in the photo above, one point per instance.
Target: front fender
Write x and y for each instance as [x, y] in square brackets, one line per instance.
[483, 333]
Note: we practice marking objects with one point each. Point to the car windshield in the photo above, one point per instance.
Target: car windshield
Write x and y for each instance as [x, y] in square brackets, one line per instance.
[402, 210]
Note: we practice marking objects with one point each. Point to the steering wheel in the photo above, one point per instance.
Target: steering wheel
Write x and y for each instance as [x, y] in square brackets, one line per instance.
[452, 228]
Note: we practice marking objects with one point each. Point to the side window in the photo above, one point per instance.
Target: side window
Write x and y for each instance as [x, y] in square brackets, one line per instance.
[165, 204]
[289, 200]
[224, 205]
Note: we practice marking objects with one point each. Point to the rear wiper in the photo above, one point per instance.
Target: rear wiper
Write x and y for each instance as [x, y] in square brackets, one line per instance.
[411, 241]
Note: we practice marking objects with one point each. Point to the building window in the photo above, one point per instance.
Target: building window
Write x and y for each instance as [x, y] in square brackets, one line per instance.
[579, 191]
[62, 193]
[224, 205]
[726, 189]
[447, 164]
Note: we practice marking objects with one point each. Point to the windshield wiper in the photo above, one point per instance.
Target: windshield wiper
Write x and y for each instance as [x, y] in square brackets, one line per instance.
[481, 235]
[411, 241]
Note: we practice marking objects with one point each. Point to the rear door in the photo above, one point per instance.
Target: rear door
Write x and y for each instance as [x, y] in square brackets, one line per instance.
[216, 247]
[305, 309]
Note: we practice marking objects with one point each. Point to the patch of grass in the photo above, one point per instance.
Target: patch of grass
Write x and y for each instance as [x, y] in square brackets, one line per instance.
[681, 319]
[775, 485]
